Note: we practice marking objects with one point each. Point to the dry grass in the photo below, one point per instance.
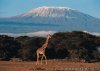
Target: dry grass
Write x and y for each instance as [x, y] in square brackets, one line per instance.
[53, 65]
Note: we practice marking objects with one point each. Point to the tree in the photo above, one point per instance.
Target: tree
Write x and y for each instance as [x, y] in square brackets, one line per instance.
[8, 47]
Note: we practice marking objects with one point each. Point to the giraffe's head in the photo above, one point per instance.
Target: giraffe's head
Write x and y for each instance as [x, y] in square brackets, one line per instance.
[49, 36]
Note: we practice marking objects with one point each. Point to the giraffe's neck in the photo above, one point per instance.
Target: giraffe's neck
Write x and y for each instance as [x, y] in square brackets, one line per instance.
[47, 40]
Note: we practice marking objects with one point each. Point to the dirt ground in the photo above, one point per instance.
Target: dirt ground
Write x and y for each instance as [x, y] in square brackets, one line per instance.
[53, 65]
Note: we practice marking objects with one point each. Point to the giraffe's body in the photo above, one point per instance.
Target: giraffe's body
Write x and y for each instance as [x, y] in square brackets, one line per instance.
[42, 50]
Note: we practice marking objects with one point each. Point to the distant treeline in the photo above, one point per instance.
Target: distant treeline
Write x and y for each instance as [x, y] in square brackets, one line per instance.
[62, 45]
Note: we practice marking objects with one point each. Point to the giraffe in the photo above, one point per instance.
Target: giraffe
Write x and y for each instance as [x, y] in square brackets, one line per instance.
[42, 50]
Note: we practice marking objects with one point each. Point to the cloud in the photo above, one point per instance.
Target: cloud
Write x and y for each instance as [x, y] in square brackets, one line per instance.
[97, 34]
[93, 33]
[31, 34]
[41, 33]
[98, 48]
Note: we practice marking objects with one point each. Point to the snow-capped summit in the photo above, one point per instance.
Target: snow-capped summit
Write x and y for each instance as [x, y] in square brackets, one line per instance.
[51, 7]
[46, 11]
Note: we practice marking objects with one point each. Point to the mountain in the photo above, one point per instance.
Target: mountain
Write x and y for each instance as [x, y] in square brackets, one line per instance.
[50, 19]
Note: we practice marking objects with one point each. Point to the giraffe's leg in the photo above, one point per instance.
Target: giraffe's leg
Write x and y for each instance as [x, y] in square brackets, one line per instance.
[41, 59]
[45, 59]
[37, 59]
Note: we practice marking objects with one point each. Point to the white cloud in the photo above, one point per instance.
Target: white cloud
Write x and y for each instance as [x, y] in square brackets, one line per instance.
[98, 48]
[93, 33]
[31, 34]
[40, 33]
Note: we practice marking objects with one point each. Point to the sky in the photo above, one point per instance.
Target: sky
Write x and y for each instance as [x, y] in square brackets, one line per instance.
[10, 8]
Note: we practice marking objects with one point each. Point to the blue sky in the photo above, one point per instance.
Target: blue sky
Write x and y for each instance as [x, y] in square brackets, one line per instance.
[15, 7]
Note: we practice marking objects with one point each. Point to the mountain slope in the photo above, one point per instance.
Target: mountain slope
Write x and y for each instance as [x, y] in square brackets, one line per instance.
[65, 19]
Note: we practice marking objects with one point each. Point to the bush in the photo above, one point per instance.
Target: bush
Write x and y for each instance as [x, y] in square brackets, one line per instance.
[62, 45]
[8, 47]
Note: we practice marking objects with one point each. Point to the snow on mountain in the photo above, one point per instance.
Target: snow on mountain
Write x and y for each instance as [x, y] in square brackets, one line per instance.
[48, 12]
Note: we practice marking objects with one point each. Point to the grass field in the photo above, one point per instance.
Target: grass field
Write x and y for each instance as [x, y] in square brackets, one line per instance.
[53, 65]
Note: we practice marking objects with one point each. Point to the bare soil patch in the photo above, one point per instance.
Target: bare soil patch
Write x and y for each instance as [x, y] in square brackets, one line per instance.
[53, 65]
